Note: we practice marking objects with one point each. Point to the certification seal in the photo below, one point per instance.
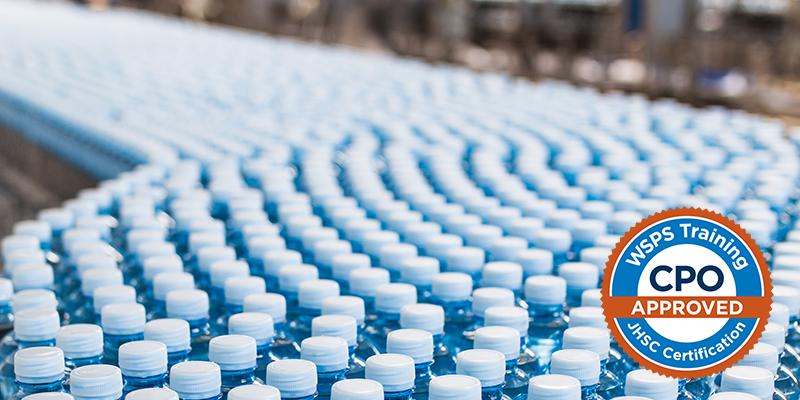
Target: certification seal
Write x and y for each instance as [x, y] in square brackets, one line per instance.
[686, 293]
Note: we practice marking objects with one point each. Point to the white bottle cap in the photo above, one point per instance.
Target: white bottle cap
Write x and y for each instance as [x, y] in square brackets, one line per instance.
[357, 389]
[152, 394]
[753, 380]
[35, 365]
[415, 343]
[591, 298]
[525, 227]
[123, 319]
[258, 246]
[483, 236]
[502, 274]
[584, 365]
[535, 261]
[187, 304]
[328, 353]
[106, 295]
[221, 271]
[195, 380]
[136, 238]
[173, 333]
[326, 250]
[762, 355]
[391, 297]
[554, 387]
[343, 264]
[341, 326]
[545, 290]
[91, 261]
[23, 259]
[373, 243]
[596, 256]
[294, 378]
[512, 317]
[51, 396]
[345, 305]
[58, 218]
[269, 303]
[788, 296]
[13, 243]
[454, 387]
[238, 288]
[488, 366]
[394, 371]
[732, 396]
[579, 275]
[555, 240]
[80, 340]
[451, 286]
[36, 324]
[167, 282]
[149, 250]
[642, 382]
[143, 358]
[93, 279]
[587, 316]
[32, 277]
[587, 230]
[254, 392]
[468, 260]
[775, 335]
[233, 352]
[597, 340]
[212, 254]
[779, 314]
[484, 298]
[419, 271]
[99, 381]
[364, 282]
[291, 276]
[427, 317]
[311, 294]
[33, 298]
[499, 338]
[258, 326]
[38, 229]
[199, 240]
[161, 264]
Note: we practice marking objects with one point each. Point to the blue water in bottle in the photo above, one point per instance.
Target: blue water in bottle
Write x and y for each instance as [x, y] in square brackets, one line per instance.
[430, 318]
[506, 341]
[389, 300]
[192, 306]
[283, 345]
[82, 345]
[122, 323]
[487, 366]
[596, 340]
[260, 327]
[311, 295]
[331, 356]
[545, 296]
[583, 365]
[36, 327]
[417, 344]
[344, 327]
[143, 364]
[173, 333]
[236, 356]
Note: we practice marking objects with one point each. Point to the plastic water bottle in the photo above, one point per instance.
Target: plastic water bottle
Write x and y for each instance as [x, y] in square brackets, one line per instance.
[579, 277]
[454, 387]
[344, 264]
[206, 257]
[236, 356]
[483, 299]
[583, 365]
[192, 307]
[273, 261]
[24, 300]
[417, 344]
[311, 295]
[196, 380]
[430, 318]
[163, 284]
[467, 260]
[507, 341]
[420, 271]
[82, 345]
[254, 392]
[389, 300]
[107, 295]
[152, 394]
[489, 367]
[503, 274]
[756, 381]
[38, 370]
[596, 340]
[143, 364]
[283, 345]
[558, 242]
[452, 291]
[354, 307]
[330, 355]
[790, 357]
[295, 379]
[122, 323]
[395, 372]
[785, 380]
[555, 387]
[36, 327]
[545, 296]
[357, 389]
[765, 356]
[364, 283]
[236, 289]
[6, 313]
[154, 266]
[517, 318]
[221, 271]
[345, 328]
[289, 280]
[174, 334]
[260, 327]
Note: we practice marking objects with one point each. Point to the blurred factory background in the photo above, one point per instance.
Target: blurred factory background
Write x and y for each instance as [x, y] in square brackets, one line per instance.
[741, 53]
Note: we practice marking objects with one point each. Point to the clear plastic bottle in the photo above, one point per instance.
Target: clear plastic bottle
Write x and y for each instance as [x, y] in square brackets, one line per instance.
[206, 257]
[503, 274]
[122, 323]
[545, 296]
[260, 327]
[483, 299]
[345, 328]
[36, 327]
[196, 380]
[163, 284]
[192, 307]
[357, 389]
[555, 387]
[37, 370]
[430, 318]
[558, 242]
[236, 290]
[143, 364]
[597, 340]
[296, 379]
[289, 280]
[507, 341]
[389, 300]
[107, 295]
[363, 283]
[785, 380]
[417, 344]
[756, 381]
[765, 356]
[154, 266]
[221, 271]
[330, 355]
[466, 260]
[517, 318]
[173, 333]
[579, 276]
[583, 365]
[283, 345]
[236, 356]
[343, 264]
[310, 295]
[354, 307]
[83, 311]
[395, 372]
[82, 345]
[489, 367]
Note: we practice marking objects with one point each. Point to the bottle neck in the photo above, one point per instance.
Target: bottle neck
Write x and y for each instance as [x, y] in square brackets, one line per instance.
[545, 312]
[402, 395]
[72, 363]
[26, 389]
[176, 357]
[231, 309]
[240, 377]
[492, 392]
[199, 327]
[23, 344]
[589, 392]
[422, 372]
[5, 307]
[135, 383]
